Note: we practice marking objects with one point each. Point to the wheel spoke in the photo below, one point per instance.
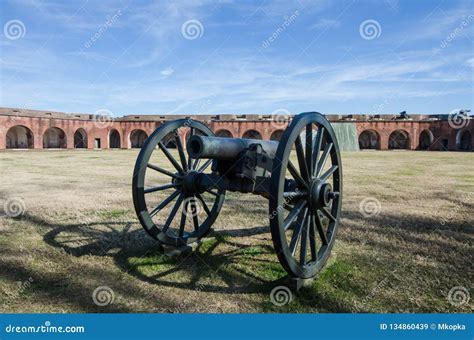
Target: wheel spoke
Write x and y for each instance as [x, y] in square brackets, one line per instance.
[195, 217]
[309, 149]
[164, 203]
[328, 214]
[320, 228]
[317, 148]
[296, 175]
[297, 231]
[170, 157]
[196, 163]
[304, 240]
[312, 238]
[301, 158]
[163, 171]
[205, 165]
[324, 157]
[160, 188]
[182, 223]
[172, 214]
[204, 205]
[180, 148]
[294, 214]
[328, 173]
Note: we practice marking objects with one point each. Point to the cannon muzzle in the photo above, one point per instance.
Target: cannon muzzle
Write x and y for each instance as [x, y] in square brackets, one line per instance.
[224, 148]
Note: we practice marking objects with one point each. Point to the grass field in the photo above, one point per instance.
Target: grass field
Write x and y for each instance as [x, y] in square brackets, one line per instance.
[79, 232]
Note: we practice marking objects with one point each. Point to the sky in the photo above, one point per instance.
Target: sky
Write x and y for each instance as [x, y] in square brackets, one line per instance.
[237, 57]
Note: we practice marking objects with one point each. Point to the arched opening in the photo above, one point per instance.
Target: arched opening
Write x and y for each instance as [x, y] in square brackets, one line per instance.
[399, 139]
[80, 139]
[464, 140]
[114, 139]
[369, 140]
[54, 138]
[19, 137]
[137, 138]
[276, 135]
[224, 133]
[426, 139]
[252, 134]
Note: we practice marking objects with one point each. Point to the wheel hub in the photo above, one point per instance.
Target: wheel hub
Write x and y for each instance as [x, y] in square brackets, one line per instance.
[320, 194]
[190, 182]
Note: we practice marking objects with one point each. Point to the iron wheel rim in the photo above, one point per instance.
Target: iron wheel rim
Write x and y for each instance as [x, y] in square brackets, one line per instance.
[277, 196]
[142, 165]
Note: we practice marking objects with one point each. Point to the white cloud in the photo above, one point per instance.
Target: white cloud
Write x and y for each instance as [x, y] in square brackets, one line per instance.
[167, 71]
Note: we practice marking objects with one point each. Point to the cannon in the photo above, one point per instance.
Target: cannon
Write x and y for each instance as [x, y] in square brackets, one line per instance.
[179, 186]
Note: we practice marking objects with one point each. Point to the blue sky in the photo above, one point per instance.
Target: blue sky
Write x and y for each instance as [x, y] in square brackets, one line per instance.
[211, 57]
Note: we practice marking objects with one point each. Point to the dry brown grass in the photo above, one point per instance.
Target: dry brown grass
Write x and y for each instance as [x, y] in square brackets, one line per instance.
[80, 232]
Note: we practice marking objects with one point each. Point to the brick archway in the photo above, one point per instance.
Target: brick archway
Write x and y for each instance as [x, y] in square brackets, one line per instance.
[464, 140]
[114, 139]
[369, 139]
[137, 138]
[276, 135]
[80, 139]
[252, 134]
[399, 140]
[54, 138]
[425, 140]
[224, 133]
[19, 137]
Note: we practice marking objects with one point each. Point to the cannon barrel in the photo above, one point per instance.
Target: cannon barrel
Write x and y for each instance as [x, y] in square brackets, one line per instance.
[225, 148]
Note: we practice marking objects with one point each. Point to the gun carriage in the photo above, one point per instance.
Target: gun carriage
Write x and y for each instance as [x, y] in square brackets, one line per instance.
[300, 176]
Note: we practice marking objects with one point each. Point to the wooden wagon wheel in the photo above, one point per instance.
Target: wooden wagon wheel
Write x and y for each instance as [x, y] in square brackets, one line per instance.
[305, 195]
[164, 186]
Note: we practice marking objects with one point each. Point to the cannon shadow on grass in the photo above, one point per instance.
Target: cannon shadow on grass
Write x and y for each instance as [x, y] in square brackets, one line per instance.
[229, 264]
[238, 268]
[221, 264]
